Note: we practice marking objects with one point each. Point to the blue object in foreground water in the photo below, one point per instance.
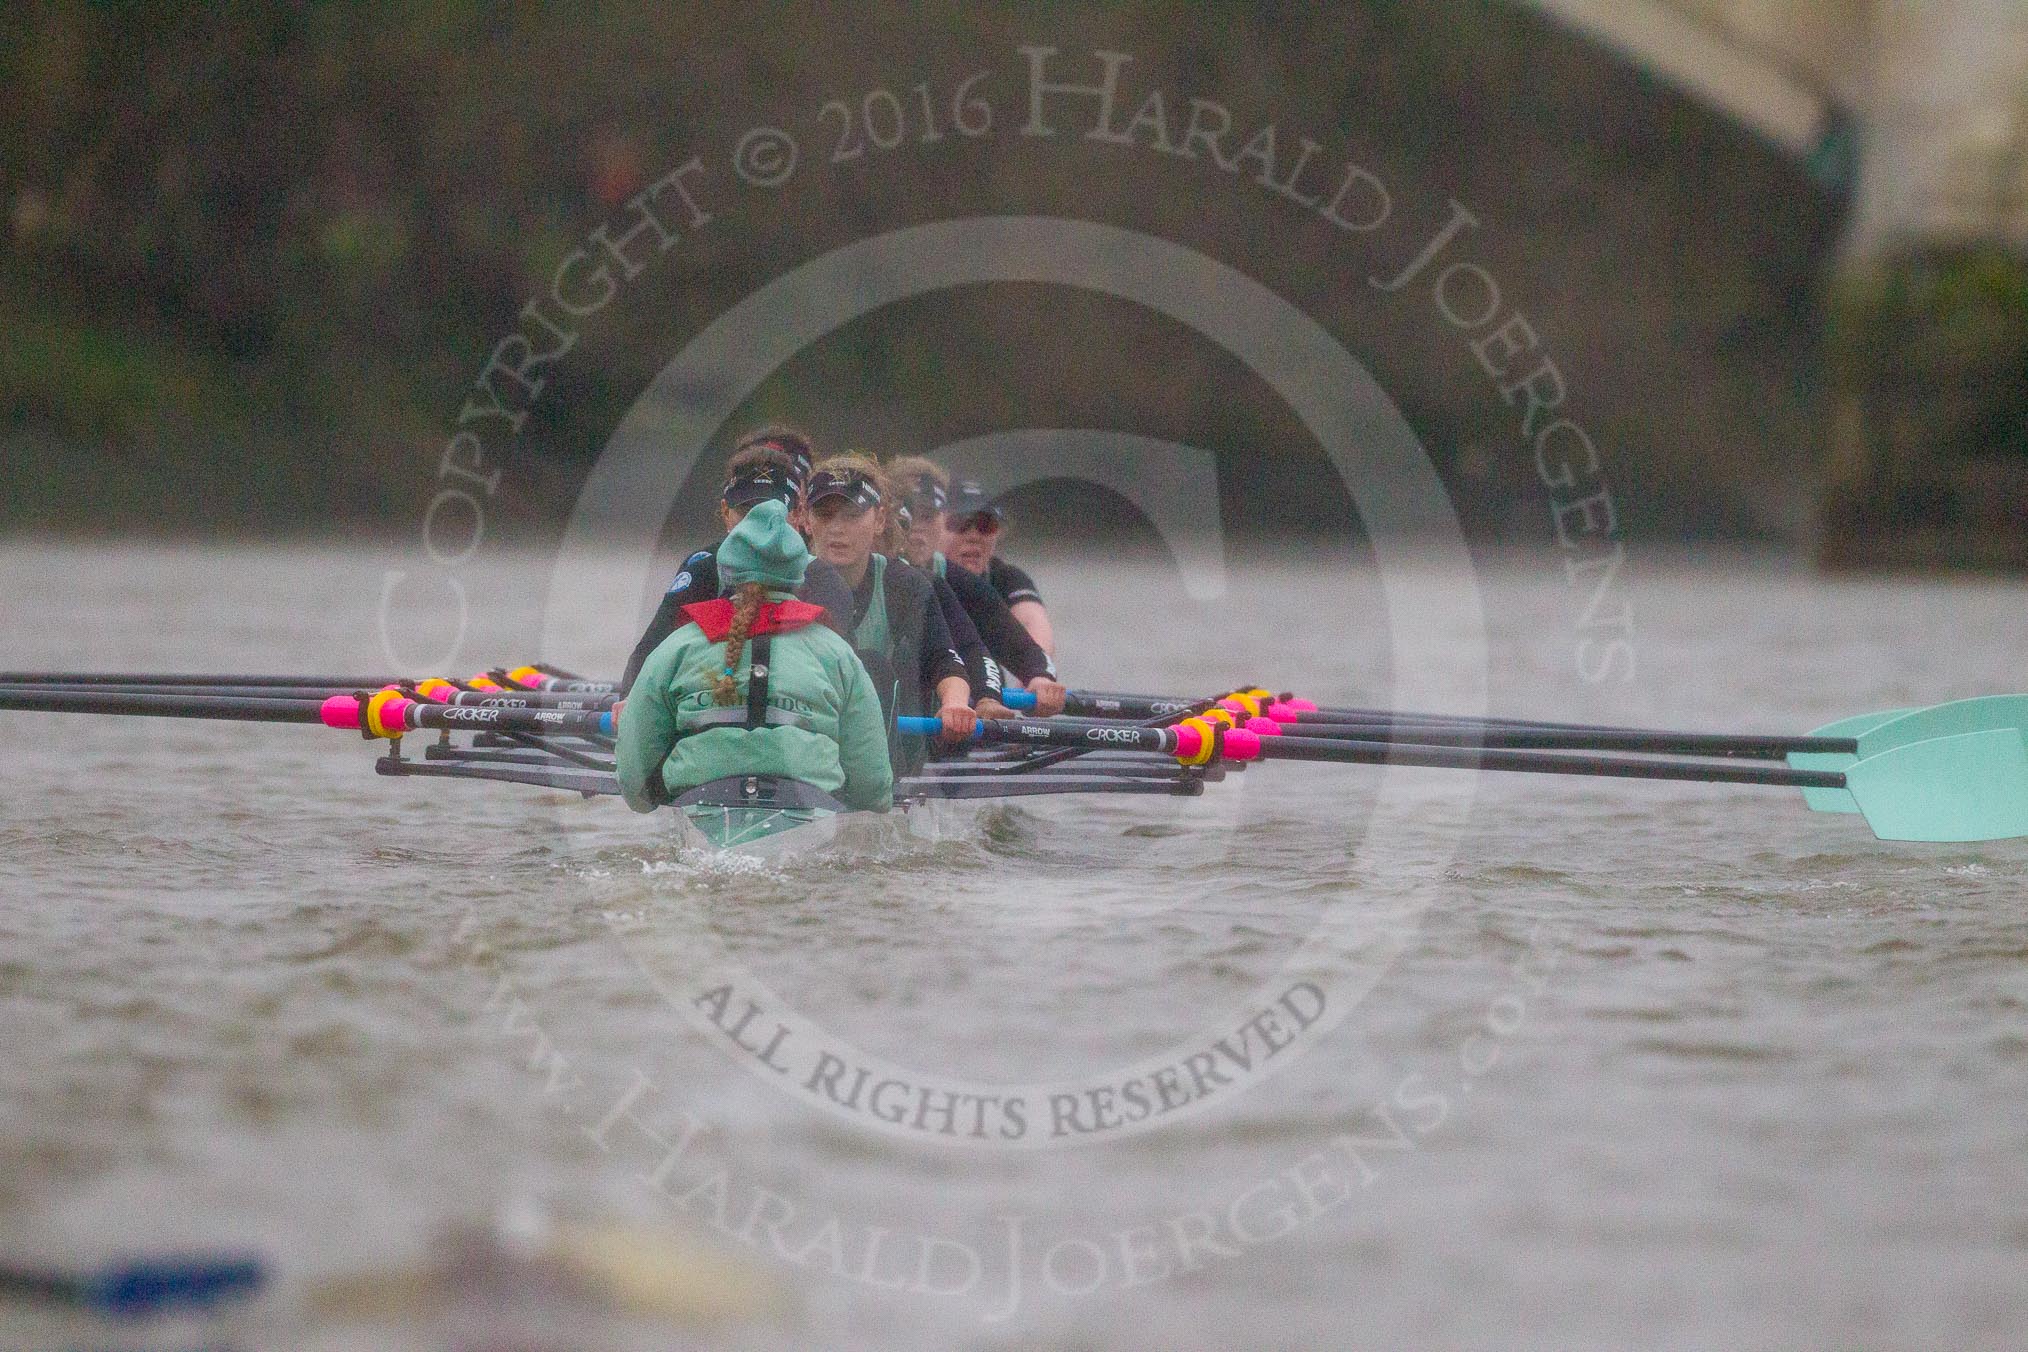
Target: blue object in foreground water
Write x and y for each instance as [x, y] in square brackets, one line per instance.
[138, 1290]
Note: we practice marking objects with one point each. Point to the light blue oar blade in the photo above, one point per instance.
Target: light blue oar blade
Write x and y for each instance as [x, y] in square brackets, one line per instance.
[1988, 713]
[1837, 800]
[1973, 786]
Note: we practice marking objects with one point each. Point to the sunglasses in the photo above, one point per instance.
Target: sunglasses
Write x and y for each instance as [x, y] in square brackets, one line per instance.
[979, 523]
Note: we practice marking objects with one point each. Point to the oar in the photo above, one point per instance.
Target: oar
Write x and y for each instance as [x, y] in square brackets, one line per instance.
[1746, 747]
[1837, 800]
[528, 677]
[437, 692]
[1960, 786]
[384, 713]
[1296, 714]
[1048, 759]
[1831, 747]
[241, 709]
[96, 678]
[1834, 746]
[1187, 743]
[131, 1290]
[1287, 708]
[390, 715]
[1877, 734]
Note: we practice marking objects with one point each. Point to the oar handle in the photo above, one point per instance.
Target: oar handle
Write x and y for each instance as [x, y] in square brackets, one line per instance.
[911, 726]
[388, 714]
[1192, 743]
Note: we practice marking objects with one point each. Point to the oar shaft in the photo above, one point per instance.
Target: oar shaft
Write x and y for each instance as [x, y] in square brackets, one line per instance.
[1443, 720]
[98, 678]
[482, 699]
[1109, 704]
[392, 716]
[1119, 704]
[196, 683]
[338, 711]
[1461, 730]
[1240, 745]
[1598, 739]
[1537, 762]
[236, 710]
[1084, 734]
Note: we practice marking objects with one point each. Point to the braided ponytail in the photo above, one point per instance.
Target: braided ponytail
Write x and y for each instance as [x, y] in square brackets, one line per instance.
[746, 604]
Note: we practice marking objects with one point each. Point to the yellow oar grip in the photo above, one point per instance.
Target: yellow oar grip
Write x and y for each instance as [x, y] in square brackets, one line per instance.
[1207, 741]
[371, 722]
[1249, 700]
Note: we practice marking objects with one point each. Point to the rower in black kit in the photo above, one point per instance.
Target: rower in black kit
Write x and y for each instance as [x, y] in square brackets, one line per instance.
[973, 525]
[756, 475]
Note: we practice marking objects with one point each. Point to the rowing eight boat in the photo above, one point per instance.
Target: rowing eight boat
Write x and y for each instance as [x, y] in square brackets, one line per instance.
[1951, 772]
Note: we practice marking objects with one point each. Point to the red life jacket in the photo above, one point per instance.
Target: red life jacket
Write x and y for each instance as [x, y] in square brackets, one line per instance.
[774, 617]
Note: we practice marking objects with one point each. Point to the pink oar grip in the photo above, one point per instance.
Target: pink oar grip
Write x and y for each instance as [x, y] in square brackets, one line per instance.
[1240, 744]
[340, 711]
[1263, 727]
[1285, 710]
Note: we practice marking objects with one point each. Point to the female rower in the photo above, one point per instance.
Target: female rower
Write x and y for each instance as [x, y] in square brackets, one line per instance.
[768, 465]
[754, 685]
[925, 488]
[972, 526]
[898, 624]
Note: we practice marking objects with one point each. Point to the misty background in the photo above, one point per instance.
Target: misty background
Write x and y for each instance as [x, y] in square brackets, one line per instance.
[255, 258]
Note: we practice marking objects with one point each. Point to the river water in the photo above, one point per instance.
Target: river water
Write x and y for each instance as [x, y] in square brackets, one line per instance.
[1324, 1058]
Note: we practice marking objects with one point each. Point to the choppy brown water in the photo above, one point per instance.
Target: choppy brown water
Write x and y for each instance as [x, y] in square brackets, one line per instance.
[1654, 1065]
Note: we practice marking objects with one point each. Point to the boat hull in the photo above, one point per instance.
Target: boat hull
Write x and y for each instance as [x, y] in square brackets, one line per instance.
[772, 834]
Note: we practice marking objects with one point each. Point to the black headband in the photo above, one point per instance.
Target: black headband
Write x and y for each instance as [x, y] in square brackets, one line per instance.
[850, 485]
[928, 495]
[760, 483]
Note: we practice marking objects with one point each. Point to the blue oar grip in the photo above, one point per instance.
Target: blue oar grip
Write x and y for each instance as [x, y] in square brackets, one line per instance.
[606, 726]
[923, 727]
[1018, 699]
